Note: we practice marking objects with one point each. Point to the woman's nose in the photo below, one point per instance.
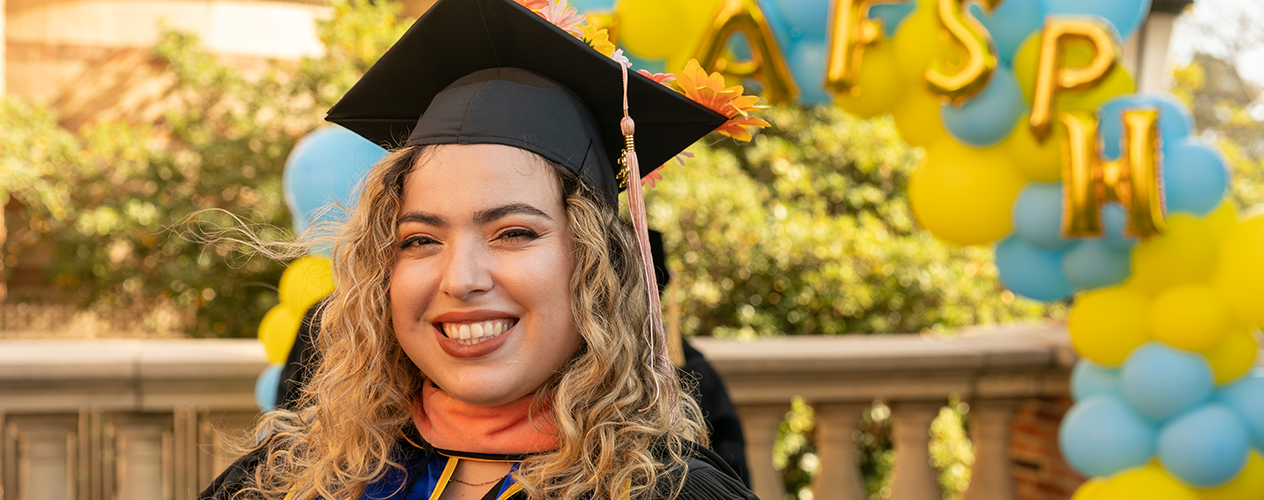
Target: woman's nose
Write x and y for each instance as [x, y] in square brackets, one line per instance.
[467, 273]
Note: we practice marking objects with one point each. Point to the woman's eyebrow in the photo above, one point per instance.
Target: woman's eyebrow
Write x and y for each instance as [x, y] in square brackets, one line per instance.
[422, 218]
[494, 214]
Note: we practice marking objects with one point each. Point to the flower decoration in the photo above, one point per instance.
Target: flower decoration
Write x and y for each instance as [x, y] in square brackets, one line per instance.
[567, 18]
[662, 78]
[709, 90]
[599, 39]
[533, 5]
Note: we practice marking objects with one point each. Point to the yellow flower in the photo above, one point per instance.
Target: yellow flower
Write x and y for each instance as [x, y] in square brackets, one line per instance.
[598, 38]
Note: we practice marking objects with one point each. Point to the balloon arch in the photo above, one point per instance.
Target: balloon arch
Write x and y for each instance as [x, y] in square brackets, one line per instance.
[1042, 148]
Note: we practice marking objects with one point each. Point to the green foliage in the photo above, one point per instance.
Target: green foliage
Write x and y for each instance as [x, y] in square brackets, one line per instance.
[951, 452]
[808, 231]
[1226, 119]
[107, 195]
[793, 452]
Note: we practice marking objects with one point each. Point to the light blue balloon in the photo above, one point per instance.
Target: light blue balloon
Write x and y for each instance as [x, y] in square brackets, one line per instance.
[1114, 217]
[1010, 24]
[1246, 396]
[989, 117]
[810, 16]
[1205, 447]
[892, 15]
[324, 168]
[1161, 382]
[1094, 264]
[266, 387]
[783, 31]
[739, 47]
[1101, 435]
[1090, 379]
[1030, 271]
[807, 65]
[592, 5]
[1175, 120]
[1125, 15]
[1195, 177]
[1038, 215]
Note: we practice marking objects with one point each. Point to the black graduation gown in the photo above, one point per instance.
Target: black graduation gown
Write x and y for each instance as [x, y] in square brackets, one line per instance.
[707, 477]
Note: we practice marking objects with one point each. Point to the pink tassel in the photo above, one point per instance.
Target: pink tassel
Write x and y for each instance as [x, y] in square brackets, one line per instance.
[636, 208]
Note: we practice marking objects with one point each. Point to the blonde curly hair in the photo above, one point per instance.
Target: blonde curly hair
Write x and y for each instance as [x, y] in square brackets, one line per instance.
[621, 423]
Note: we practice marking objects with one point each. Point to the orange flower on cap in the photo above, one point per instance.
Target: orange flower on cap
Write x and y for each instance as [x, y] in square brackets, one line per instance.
[709, 90]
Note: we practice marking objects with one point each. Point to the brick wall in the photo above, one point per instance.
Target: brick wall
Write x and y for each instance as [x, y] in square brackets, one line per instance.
[1038, 468]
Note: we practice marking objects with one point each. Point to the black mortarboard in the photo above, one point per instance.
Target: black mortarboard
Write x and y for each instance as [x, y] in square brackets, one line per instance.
[554, 95]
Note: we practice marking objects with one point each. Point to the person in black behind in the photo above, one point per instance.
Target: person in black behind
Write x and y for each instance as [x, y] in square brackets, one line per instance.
[723, 424]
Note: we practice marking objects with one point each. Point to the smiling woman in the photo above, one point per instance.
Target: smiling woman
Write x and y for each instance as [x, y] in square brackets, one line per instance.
[495, 333]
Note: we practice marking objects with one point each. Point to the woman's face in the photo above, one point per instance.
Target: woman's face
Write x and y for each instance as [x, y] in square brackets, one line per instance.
[480, 291]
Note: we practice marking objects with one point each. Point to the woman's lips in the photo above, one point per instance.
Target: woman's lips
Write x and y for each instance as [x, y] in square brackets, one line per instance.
[473, 334]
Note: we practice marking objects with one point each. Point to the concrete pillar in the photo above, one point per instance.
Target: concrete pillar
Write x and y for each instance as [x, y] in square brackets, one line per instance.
[44, 459]
[759, 424]
[140, 456]
[839, 476]
[990, 477]
[914, 479]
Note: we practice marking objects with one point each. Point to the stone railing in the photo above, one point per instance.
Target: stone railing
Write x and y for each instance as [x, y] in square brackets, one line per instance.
[139, 420]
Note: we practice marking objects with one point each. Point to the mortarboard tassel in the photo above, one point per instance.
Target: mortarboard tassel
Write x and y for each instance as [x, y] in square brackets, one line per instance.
[636, 209]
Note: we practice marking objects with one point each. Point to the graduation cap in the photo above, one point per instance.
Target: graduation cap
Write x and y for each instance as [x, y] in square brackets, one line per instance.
[492, 71]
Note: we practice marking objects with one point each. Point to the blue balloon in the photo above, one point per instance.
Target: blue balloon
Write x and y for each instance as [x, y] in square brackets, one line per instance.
[1195, 177]
[266, 387]
[810, 16]
[1114, 218]
[1101, 435]
[1161, 382]
[1090, 379]
[1175, 120]
[1010, 24]
[990, 116]
[1094, 264]
[892, 15]
[323, 169]
[783, 31]
[1038, 215]
[592, 5]
[1246, 396]
[1125, 15]
[807, 65]
[1030, 271]
[1206, 447]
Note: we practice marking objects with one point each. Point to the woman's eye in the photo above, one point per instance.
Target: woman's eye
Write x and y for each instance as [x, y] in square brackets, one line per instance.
[416, 241]
[517, 234]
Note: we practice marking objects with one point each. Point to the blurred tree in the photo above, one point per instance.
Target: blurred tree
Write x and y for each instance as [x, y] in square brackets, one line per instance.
[107, 195]
[808, 231]
[1227, 110]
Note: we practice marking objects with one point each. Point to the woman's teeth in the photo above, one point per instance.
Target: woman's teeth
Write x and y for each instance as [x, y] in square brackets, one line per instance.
[473, 333]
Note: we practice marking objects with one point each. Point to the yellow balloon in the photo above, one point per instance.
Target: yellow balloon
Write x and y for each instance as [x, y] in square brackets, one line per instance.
[1089, 490]
[880, 88]
[1186, 253]
[1248, 486]
[964, 195]
[1145, 483]
[1223, 220]
[1233, 356]
[920, 41]
[307, 280]
[1107, 324]
[277, 332]
[1036, 160]
[917, 117]
[654, 29]
[1189, 317]
[1240, 278]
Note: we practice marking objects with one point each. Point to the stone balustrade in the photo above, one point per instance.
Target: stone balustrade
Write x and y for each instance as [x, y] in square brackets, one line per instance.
[149, 419]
